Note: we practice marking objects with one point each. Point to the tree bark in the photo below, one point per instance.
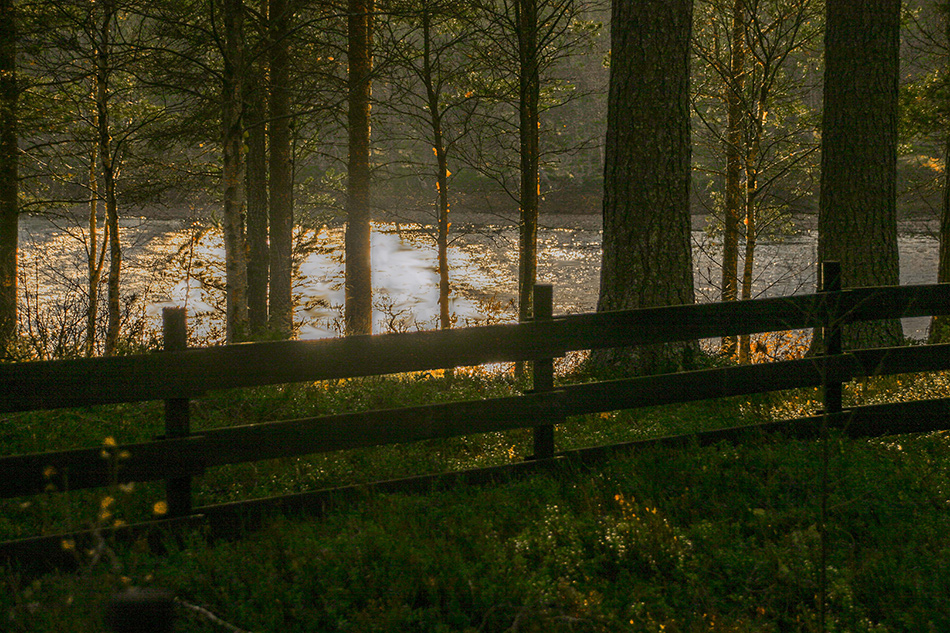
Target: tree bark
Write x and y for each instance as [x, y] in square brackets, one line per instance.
[103, 90]
[647, 258]
[857, 221]
[281, 171]
[9, 177]
[734, 198]
[235, 247]
[358, 269]
[96, 254]
[529, 131]
[258, 252]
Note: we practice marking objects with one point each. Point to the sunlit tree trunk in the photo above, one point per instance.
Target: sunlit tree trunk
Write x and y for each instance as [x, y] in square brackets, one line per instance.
[647, 252]
[442, 177]
[281, 171]
[107, 167]
[529, 127]
[358, 271]
[235, 248]
[734, 198]
[9, 178]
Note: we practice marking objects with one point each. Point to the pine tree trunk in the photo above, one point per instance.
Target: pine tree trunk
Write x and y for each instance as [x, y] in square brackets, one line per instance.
[647, 258]
[9, 178]
[857, 221]
[235, 247]
[359, 282]
[281, 172]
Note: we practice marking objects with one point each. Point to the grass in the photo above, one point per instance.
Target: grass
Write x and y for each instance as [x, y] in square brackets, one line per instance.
[720, 538]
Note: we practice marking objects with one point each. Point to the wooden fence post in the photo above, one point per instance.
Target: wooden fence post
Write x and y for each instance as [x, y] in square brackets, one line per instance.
[177, 415]
[543, 377]
[831, 336]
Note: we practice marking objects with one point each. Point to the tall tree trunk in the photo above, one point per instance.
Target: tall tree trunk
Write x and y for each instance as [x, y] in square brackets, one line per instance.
[857, 220]
[358, 270]
[103, 75]
[442, 175]
[235, 247]
[647, 258]
[734, 198]
[281, 171]
[530, 194]
[751, 224]
[9, 178]
[258, 254]
[96, 254]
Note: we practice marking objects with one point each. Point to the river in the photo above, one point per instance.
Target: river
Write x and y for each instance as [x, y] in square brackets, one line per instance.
[170, 262]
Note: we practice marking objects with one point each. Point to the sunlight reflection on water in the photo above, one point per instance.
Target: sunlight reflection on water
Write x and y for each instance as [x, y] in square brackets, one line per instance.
[169, 263]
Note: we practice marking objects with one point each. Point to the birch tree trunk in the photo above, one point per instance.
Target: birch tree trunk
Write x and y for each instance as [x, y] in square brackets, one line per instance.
[235, 247]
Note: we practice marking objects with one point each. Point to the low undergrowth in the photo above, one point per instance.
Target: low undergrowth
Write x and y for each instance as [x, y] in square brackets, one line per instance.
[721, 538]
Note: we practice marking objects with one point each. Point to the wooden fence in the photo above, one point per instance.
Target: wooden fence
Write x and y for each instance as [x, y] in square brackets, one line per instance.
[178, 375]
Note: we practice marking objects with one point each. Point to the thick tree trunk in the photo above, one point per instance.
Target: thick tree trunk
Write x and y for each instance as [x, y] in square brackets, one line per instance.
[281, 172]
[258, 255]
[647, 259]
[358, 269]
[529, 130]
[235, 247]
[857, 221]
[9, 178]
[734, 198]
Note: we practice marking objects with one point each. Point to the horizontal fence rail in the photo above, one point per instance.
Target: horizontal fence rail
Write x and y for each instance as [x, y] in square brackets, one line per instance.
[194, 372]
[178, 375]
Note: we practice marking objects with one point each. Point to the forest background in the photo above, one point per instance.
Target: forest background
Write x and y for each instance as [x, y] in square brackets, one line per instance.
[254, 117]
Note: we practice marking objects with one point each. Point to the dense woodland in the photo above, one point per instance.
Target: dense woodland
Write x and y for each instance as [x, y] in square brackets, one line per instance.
[281, 113]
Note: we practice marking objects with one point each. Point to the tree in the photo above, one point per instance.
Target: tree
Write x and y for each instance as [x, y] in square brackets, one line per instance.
[857, 220]
[528, 38]
[281, 216]
[925, 118]
[754, 56]
[429, 44]
[647, 254]
[940, 328]
[232, 106]
[358, 268]
[258, 205]
[9, 178]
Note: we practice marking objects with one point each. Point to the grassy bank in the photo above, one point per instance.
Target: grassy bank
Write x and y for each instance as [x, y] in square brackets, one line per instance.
[722, 538]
